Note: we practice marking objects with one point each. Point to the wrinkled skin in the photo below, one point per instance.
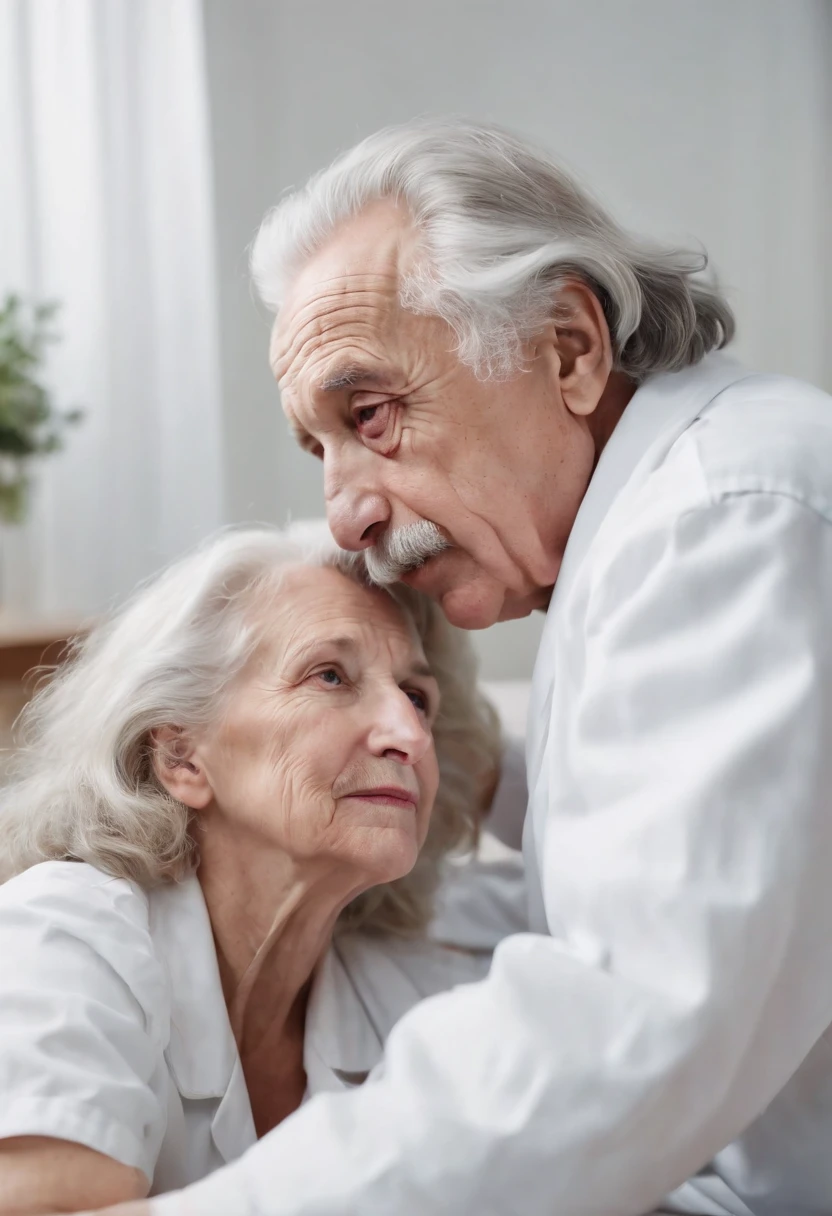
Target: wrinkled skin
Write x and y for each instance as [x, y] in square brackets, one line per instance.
[337, 700]
[407, 432]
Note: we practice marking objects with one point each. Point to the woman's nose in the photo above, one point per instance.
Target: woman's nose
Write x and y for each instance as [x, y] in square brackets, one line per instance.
[399, 731]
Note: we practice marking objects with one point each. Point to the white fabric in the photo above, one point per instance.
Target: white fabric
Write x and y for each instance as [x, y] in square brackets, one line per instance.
[114, 1031]
[105, 206]
[676, 997]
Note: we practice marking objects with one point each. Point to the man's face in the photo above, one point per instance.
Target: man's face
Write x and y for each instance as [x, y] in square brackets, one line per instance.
[407, 433]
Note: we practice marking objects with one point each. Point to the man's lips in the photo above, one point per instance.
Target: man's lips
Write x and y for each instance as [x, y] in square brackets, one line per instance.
[389, 795]
[421, 578]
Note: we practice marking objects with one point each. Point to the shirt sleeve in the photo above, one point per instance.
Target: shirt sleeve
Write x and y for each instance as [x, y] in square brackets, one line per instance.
[589, 1074]
[83, 1007]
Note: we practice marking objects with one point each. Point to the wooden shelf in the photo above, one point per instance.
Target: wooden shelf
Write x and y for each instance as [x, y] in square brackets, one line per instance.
[26, 644]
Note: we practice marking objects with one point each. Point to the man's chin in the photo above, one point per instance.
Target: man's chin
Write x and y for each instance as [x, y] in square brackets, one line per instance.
[469, 598]
[476, 605]
[472, 602]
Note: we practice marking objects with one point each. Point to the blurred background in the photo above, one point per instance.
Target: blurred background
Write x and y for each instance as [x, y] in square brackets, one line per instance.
[141, 141]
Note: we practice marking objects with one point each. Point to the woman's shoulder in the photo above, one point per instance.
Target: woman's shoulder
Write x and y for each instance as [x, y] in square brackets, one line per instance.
[61, 910]
[73, 888]
[84, 1013]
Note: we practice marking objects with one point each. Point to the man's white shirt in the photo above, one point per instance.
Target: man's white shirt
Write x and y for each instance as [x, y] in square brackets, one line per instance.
[669, 1016]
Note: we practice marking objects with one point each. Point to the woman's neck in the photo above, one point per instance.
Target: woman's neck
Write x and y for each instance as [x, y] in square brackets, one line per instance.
[272, 921]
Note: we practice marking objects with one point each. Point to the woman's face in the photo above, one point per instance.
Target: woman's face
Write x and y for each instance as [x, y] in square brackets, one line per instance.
[325, 751]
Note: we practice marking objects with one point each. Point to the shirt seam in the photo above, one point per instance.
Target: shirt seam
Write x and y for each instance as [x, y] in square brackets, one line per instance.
[716, 496]
[81, 1124]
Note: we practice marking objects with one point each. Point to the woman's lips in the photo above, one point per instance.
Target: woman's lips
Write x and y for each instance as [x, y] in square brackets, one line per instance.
[389, 795]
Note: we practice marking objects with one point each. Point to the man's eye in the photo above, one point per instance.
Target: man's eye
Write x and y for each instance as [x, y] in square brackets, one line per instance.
[371, 420]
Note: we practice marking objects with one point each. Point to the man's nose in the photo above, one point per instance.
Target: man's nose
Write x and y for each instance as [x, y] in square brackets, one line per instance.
[356, 512]
[399, 731]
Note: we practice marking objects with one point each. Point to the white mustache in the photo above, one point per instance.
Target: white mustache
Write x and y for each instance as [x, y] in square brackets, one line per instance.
[397, 552]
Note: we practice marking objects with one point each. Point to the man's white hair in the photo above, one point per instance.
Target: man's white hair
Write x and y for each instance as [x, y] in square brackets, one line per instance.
[83, 783]
[502, 228]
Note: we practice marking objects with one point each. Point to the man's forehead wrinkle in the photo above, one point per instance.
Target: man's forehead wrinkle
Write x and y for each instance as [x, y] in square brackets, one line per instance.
[332, 279]
[326, 312]
[367, 251]
[325, 292]
[330, 295]
[352, 340]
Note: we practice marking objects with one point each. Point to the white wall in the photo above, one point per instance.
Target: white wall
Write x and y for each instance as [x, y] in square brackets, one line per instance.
[692, 119]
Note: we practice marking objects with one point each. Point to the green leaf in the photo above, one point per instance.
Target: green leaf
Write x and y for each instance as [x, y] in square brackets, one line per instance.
[30, 423]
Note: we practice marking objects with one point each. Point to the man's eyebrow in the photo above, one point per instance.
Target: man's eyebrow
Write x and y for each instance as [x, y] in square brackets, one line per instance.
[351, 374]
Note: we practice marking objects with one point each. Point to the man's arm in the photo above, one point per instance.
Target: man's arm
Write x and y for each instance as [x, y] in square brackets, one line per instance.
[590, 1074]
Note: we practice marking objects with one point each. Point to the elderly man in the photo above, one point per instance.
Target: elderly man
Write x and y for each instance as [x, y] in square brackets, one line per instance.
[518, 405]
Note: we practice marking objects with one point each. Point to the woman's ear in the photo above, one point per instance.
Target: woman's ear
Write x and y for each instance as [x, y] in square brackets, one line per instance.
[584, 348]
[177, 767]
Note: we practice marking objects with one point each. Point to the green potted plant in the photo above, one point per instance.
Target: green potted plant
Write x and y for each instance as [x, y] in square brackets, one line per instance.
[30, 424]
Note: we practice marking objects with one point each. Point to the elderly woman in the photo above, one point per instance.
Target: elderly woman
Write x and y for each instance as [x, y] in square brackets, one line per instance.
[225, 838]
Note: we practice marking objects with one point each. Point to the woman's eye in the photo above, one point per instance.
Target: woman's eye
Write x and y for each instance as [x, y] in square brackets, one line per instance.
[371, 420]
[419, 699]
[330, 677]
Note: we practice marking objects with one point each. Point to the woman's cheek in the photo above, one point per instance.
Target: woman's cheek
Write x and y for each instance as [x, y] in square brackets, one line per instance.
[430, 788]
[294, 777]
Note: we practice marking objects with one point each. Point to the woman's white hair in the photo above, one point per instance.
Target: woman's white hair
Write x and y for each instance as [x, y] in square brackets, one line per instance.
[502, 229]
[83, 783]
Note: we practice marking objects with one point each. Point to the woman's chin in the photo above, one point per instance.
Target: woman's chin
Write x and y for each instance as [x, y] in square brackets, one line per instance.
[390, 859]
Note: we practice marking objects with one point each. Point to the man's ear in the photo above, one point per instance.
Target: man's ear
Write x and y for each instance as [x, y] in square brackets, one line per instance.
[581, 339]
[177, 767]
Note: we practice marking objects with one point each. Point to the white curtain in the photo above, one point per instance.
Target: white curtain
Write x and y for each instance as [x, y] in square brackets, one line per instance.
[106, 206]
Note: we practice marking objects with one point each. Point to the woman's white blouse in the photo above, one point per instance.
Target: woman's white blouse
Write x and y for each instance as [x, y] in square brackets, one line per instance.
[114, 1031]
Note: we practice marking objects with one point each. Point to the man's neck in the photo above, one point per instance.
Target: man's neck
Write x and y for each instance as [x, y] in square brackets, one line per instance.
[607, 414]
